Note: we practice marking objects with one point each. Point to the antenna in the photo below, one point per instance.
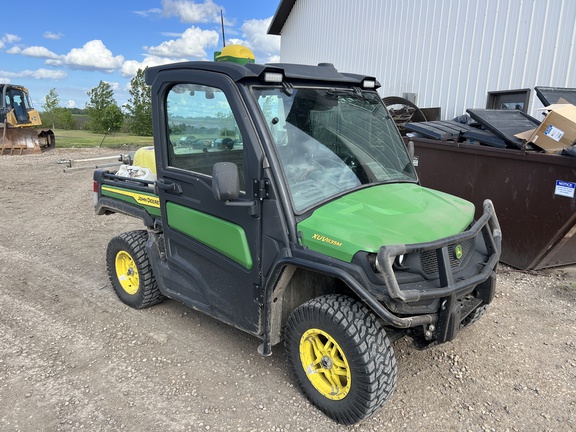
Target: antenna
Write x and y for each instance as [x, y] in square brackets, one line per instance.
[222, 21]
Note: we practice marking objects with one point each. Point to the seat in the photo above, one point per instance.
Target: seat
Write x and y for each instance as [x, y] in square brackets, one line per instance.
[21, 113]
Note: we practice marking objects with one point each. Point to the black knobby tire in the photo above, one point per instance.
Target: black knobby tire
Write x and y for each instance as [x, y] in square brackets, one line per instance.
[358, 357]
[475, 315]
[130, 271]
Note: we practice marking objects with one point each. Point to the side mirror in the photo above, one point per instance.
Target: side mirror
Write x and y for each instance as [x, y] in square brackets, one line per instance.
[225, 181]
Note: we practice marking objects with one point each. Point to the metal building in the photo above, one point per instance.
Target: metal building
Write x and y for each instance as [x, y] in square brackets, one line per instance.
[453, 54]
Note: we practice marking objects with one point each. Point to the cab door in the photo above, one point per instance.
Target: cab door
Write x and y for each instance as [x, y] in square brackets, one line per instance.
[212, 256]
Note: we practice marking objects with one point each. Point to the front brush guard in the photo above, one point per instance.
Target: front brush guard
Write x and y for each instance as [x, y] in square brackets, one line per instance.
[487, 225]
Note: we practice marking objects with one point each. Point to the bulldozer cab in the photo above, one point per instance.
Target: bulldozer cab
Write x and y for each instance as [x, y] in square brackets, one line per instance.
[19, 121]
[16, 106]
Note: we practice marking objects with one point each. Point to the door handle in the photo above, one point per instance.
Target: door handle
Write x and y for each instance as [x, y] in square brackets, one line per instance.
[167, 186]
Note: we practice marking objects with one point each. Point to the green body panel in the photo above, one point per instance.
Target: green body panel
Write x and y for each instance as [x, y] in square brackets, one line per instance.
[149, 201]
[384, 215]
[225, 237]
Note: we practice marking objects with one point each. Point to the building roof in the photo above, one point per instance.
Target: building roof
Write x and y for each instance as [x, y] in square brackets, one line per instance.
[280, 17]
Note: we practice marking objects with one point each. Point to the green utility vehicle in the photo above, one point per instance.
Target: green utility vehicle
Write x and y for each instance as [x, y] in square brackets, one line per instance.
[282, 200]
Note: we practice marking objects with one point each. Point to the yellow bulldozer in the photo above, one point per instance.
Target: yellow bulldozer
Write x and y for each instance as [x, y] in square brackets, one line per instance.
[20, 124]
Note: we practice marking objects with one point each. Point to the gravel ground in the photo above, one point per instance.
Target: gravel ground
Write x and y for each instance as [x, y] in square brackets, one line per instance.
[73, 357]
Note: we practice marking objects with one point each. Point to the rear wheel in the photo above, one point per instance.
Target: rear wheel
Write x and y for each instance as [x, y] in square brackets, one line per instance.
[130, 271]
[341, 357]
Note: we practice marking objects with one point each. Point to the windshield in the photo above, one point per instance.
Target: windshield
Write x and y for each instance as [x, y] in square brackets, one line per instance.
[331, 141]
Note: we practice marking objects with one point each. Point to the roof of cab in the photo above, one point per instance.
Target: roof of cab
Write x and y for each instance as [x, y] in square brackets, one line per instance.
[323, 72]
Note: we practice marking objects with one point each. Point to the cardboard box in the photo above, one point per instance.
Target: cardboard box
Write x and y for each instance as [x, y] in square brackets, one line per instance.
[557, 131]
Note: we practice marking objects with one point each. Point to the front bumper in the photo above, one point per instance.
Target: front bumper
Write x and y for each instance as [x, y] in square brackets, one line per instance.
[448, 284]
[456, 288]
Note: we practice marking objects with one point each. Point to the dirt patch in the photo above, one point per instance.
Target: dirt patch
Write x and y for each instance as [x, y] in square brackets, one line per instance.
[72, 357]
[565, 285]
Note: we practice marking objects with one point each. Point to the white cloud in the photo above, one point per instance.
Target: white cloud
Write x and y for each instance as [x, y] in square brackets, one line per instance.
[10, 38]
[70, 104]
[36, 74]
[48, 74]
[93, 55]
[255, 33]
[4, 79]
[113, 85]
[53, 36]
[44, 74]
[34, 51]
[192, 44]
[237, 41]
[130, 67]
[192, 12]
[146, 13]
[55, 62]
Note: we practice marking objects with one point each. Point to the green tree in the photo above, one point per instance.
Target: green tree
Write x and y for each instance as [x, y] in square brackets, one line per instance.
[54, 116]
[51, 102]
[105, 115]
[64, 118]
[139, 106]
[112, 118]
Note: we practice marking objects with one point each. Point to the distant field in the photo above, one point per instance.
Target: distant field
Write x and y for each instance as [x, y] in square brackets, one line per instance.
[85, 139]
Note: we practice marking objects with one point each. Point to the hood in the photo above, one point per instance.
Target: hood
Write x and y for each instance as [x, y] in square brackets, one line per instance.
[402, 213]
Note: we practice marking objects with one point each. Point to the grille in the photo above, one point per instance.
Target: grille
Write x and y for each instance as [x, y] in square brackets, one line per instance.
[430, 262]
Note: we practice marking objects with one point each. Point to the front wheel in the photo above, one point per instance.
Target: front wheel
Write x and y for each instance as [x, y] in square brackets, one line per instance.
[130, 271]
[341, 357]
[476, 314]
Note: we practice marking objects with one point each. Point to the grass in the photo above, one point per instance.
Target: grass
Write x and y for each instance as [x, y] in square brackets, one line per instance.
[86, 139]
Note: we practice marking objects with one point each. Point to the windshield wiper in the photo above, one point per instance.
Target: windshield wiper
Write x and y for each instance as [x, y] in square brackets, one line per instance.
[354, 92]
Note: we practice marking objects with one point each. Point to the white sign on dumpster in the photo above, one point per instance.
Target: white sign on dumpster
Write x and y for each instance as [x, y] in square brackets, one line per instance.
[564, 188]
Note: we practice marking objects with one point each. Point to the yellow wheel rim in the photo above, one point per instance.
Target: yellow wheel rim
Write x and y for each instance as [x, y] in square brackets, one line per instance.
[127, 272]
[325, 364]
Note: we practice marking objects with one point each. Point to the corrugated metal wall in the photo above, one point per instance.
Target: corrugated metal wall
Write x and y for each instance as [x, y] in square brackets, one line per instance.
[449, 52]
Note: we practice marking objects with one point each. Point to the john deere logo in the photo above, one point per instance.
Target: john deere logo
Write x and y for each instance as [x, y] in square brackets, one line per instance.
[458, 252]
